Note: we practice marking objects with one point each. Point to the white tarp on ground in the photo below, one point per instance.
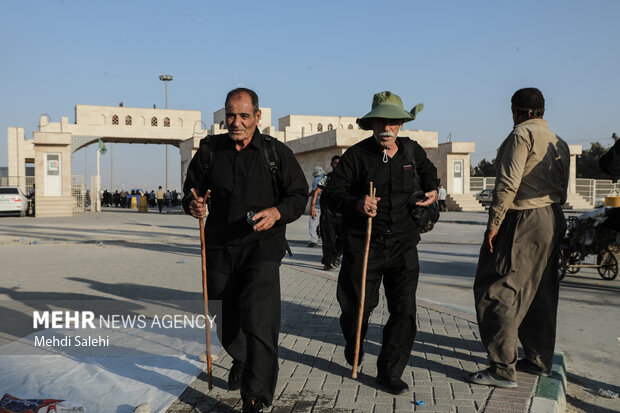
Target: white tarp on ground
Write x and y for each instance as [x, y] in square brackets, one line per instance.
[108, 381]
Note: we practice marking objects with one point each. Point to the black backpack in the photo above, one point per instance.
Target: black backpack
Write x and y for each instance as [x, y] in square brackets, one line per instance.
[424, 217]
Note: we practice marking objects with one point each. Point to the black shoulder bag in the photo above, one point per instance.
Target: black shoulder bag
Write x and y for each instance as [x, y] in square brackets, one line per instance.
[424, 217]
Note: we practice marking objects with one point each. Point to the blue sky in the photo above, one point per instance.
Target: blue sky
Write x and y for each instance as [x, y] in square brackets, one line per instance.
[462, 59]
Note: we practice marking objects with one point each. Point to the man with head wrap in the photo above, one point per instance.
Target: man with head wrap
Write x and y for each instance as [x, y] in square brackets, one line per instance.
[516, 287]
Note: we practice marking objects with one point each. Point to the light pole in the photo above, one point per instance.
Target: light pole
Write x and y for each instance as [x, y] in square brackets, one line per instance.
[166, 79]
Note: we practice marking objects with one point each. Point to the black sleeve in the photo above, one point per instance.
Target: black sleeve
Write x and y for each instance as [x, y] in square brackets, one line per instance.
[426, 169]
[294, 188]
[340, 191]
[192, 180]
[610, 162]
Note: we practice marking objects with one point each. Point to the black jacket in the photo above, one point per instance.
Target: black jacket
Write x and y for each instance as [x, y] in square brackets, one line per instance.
[363, 163]
[240, 181]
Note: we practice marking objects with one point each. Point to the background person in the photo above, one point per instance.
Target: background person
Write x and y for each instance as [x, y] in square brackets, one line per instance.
[315, 207]
[160, 197]
[442, 194]
[123, 198]
[330, 224]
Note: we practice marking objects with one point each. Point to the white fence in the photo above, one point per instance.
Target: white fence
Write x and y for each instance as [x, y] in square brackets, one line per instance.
[593, 190]
[478, 183]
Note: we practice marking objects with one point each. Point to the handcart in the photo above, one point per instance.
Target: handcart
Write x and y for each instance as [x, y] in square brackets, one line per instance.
[588, 236]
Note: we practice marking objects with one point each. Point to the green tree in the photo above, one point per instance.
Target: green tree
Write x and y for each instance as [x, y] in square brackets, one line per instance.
[587, 162]
[484, 168]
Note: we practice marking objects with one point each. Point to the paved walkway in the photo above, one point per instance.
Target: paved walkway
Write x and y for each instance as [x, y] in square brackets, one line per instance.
[93, 254]
[315, 378]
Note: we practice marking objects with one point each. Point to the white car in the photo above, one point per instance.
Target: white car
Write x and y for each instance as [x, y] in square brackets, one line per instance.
[13, 200]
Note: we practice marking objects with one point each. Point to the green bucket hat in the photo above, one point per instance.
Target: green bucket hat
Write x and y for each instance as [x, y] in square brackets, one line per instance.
[387, 105]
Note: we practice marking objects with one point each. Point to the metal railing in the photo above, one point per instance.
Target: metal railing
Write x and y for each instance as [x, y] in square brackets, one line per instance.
[592, 190]
[77, 192]
[478, 183]
[595, 190]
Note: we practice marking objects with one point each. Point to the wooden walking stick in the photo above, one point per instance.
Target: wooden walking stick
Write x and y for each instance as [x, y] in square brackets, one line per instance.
[205, 295]
[360, 315]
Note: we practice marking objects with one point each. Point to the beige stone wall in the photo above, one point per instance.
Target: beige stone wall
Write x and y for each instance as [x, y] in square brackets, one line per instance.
[19, 149]
[444, 155]
[51, 142]
[318, 149]
[98, 121]
[426, 139]
[299, 126]
[321, 158]
[141, 117]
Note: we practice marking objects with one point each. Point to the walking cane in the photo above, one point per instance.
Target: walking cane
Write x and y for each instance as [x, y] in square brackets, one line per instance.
[360, 315]
[205, 296]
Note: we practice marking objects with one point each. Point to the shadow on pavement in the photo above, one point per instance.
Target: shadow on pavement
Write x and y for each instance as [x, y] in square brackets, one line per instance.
[592, 387]
[302, 321]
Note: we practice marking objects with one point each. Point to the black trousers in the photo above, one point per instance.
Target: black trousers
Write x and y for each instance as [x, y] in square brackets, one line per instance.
[331, 233]
[516, 289]
[396, 262]
[160, 204]
[247, 281]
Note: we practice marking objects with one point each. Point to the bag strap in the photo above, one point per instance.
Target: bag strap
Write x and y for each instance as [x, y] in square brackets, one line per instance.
[273, 163]
[408, 149]
[207, 152]
[207, 149]
[271, 157]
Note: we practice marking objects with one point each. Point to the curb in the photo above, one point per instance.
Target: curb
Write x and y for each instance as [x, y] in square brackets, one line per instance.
[461, 222]
[551, 392]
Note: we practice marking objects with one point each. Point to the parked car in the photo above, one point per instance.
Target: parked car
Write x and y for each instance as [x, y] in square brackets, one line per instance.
[485, 196]
[13, 200]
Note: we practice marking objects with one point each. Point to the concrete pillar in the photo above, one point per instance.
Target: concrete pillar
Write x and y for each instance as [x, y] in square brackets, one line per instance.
[443, 158]
[572, 177]
[53, 192]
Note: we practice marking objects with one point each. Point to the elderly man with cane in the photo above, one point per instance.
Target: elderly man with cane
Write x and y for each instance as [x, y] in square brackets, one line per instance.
[401, 184]
[257, 187]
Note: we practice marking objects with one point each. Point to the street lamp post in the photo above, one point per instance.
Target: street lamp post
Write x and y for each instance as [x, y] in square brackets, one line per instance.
[166, 79]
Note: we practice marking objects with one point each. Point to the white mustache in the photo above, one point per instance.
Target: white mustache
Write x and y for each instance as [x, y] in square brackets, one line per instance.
[386, 135]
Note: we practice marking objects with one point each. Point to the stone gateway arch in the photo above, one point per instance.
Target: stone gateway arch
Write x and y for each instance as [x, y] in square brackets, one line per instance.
[313, 139]
[53, 144]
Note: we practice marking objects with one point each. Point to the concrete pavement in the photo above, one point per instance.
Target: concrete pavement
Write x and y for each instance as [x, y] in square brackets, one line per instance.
[95, 253]
[315, 377]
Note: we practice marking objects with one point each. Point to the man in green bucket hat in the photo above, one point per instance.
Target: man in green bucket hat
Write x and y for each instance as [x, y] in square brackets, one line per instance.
[403, 177]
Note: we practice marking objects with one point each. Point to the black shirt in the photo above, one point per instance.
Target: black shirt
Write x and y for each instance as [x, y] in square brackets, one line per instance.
[240, 181]
[394, 181]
